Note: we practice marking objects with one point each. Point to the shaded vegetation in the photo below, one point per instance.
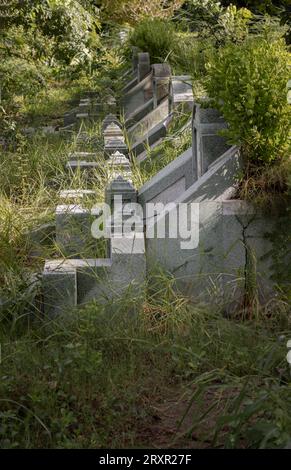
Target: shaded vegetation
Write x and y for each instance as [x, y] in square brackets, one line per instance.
[97, 377]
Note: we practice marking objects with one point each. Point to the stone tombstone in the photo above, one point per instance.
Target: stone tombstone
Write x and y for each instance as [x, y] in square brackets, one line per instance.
[144, 65]
[109, 119]
[73, 224]
[120, 187]
[181, 93]
[161, 80]
[117, 165]
[113, 132]
[207, 144]
[115, 145]
[125, 191]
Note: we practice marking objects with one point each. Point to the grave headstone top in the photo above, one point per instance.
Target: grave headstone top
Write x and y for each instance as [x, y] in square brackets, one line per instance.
[161, 80]
[144, 65]
[120, 187]
[109, 119]
[181, 92]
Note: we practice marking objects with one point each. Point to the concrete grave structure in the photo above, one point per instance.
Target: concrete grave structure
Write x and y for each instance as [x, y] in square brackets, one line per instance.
[109, 119]
[207, 144]
[161, 81]
[119, 165]
[181, 93]
[71, 282]
[143, 65]
[228, 248]
[137, 97]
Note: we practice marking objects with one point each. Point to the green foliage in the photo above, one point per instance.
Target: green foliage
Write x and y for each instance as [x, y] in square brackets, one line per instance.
[208, 17]
[155, 36]
[134, 11]
[92, 378]
[19, 77]
[260, 6]
[248, 84]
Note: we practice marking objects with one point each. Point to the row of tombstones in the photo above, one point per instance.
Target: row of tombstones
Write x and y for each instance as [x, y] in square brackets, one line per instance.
[91, 268]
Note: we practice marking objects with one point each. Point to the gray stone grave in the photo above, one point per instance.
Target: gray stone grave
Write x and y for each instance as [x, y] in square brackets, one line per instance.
[117, 165]
[161, 81]
[137, 96]
[207, 144]
[73, 235]
[181, 93]
[113, 132]
[109, 119]
[140, 130]
[71, 282]
[143, 66]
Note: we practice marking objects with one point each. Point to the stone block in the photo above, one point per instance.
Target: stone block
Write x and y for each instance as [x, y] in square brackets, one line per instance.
[207, 144]
[115, 145]
[139, 113]
[141, 129]
[74, 195]
[73, 230]
[161, 81]
[118, 164]
[144, 65]
[181, 93]
[59, 285]
[170, 182]
[138, 96]
[109, 119]
[219, 182]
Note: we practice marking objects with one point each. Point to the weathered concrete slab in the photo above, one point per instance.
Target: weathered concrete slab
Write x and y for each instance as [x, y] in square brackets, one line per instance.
[145, 125]
[219, 182]
[77, 194]
[161, 81]
[138, 96]
[170, 182]
[181, 93]
[151, 139]
[139, 113]
[218, 269]
[143, 65]
[59, 285]
[207, 144]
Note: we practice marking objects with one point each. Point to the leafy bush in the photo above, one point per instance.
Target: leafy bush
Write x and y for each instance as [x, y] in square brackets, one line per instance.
[210, 18]
[19, 77]
[248, 84]
[155, 36]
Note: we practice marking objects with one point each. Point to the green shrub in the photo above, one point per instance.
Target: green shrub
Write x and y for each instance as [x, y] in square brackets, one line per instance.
[155, 36]
[190, 55]
[248, 84]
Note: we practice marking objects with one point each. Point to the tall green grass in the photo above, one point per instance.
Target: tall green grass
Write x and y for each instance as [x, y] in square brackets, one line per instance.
[92, 380]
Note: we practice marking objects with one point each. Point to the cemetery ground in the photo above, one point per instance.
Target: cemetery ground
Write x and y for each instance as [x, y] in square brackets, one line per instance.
[178, 373]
